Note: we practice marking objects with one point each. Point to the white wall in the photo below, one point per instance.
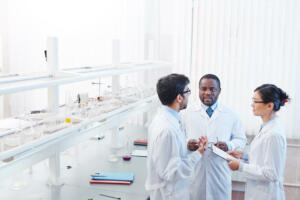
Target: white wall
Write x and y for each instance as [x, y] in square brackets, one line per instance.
[4, 59]
[85, 30]
[248, 43]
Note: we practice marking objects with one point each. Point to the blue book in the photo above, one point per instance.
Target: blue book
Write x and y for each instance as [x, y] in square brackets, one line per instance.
[113, 176]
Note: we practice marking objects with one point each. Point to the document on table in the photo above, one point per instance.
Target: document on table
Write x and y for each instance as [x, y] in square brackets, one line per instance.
[139, 153]
[221, 153]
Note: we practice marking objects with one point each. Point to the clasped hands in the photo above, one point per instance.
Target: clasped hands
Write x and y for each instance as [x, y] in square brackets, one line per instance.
[194, 144]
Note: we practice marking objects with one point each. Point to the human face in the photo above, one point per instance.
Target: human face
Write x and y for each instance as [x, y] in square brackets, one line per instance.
[259, 108]
[209, 91]
[185, 95]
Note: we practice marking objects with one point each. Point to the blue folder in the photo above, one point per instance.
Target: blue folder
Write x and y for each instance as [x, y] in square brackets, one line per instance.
[113, 176]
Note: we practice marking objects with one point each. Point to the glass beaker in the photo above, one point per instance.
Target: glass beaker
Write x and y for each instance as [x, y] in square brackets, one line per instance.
[128, 147]
[28, 135]
[12, 141]
[50, 125]
[1, 144]
[115, 145]
[53, 123]
[18, 181]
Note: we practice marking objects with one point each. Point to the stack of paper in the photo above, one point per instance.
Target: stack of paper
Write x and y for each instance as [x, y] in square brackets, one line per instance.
[139, 153]
[112, 178]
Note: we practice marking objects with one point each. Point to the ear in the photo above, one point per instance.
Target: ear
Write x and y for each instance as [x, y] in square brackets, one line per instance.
[179, 98]
[270, 106]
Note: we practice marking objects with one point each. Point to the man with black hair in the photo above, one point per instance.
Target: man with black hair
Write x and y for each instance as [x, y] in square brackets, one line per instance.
[212, 177]
[169, 163]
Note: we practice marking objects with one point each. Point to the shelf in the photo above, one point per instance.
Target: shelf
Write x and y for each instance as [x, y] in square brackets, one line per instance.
[16, 84]
[40, 149]
[50, 146]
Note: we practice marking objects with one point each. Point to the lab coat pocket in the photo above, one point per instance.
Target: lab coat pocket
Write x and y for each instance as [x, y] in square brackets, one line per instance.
[263, 191]
[180, 190]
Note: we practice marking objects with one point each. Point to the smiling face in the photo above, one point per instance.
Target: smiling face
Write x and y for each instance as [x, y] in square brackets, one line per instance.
[259, 108]
[209, 91]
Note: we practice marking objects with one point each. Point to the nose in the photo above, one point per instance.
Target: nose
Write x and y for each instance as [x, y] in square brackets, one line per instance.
[207, 92]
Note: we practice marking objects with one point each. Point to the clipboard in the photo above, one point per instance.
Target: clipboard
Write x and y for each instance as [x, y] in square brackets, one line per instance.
[220, 152]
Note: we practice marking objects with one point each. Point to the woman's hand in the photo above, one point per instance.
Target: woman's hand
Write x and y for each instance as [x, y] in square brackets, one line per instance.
[236, 154]
[233, 164]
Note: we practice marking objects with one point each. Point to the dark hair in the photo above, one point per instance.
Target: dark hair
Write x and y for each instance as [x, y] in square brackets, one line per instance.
[168, 87]
[272, 93]
[210, 76]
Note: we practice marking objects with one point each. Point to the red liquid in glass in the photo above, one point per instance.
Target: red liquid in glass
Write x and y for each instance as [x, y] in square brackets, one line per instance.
[126, 158]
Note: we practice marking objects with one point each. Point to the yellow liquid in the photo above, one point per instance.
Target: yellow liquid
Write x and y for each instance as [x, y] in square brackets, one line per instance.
[68, 120]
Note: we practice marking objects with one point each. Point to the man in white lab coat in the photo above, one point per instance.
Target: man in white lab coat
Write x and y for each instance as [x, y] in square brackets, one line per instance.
[169, 163]
[212, 176]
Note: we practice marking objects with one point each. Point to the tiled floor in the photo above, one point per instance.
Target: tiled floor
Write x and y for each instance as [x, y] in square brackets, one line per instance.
[292, 167]
[237, 195]
[292, 193]
[292, 170]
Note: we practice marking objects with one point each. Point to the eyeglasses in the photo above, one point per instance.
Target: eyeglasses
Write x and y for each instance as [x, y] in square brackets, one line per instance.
[187, 91]
[253, 101]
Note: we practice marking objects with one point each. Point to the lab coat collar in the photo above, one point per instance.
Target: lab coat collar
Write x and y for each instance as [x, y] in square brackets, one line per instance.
[172, 117]
[265, 125]
[212, 107]
[216, 107]
[172, 112]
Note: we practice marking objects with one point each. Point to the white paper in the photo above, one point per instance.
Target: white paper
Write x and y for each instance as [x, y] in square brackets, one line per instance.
[221, 153]
[139, 153]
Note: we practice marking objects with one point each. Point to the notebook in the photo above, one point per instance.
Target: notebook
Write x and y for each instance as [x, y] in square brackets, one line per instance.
[113, 176]
[110, 182]
[141, 142]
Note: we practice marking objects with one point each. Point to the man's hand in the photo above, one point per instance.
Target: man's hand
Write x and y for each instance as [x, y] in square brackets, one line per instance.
[222, 145]
[193, 145]
[236, 154]
[202, 142]
[233, 164]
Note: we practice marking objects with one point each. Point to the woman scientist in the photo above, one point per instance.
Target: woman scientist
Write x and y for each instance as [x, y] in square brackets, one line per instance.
[265, 162]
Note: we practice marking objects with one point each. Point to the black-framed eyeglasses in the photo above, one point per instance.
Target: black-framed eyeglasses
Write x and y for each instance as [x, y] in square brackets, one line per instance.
[253, 101]
[187, 91]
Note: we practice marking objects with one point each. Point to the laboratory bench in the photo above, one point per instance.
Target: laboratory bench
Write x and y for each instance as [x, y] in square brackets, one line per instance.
[77, 164]
[84, 159]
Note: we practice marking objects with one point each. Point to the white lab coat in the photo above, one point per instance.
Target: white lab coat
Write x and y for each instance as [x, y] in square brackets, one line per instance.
[169, 163]
[266, 163]
[212, 177]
